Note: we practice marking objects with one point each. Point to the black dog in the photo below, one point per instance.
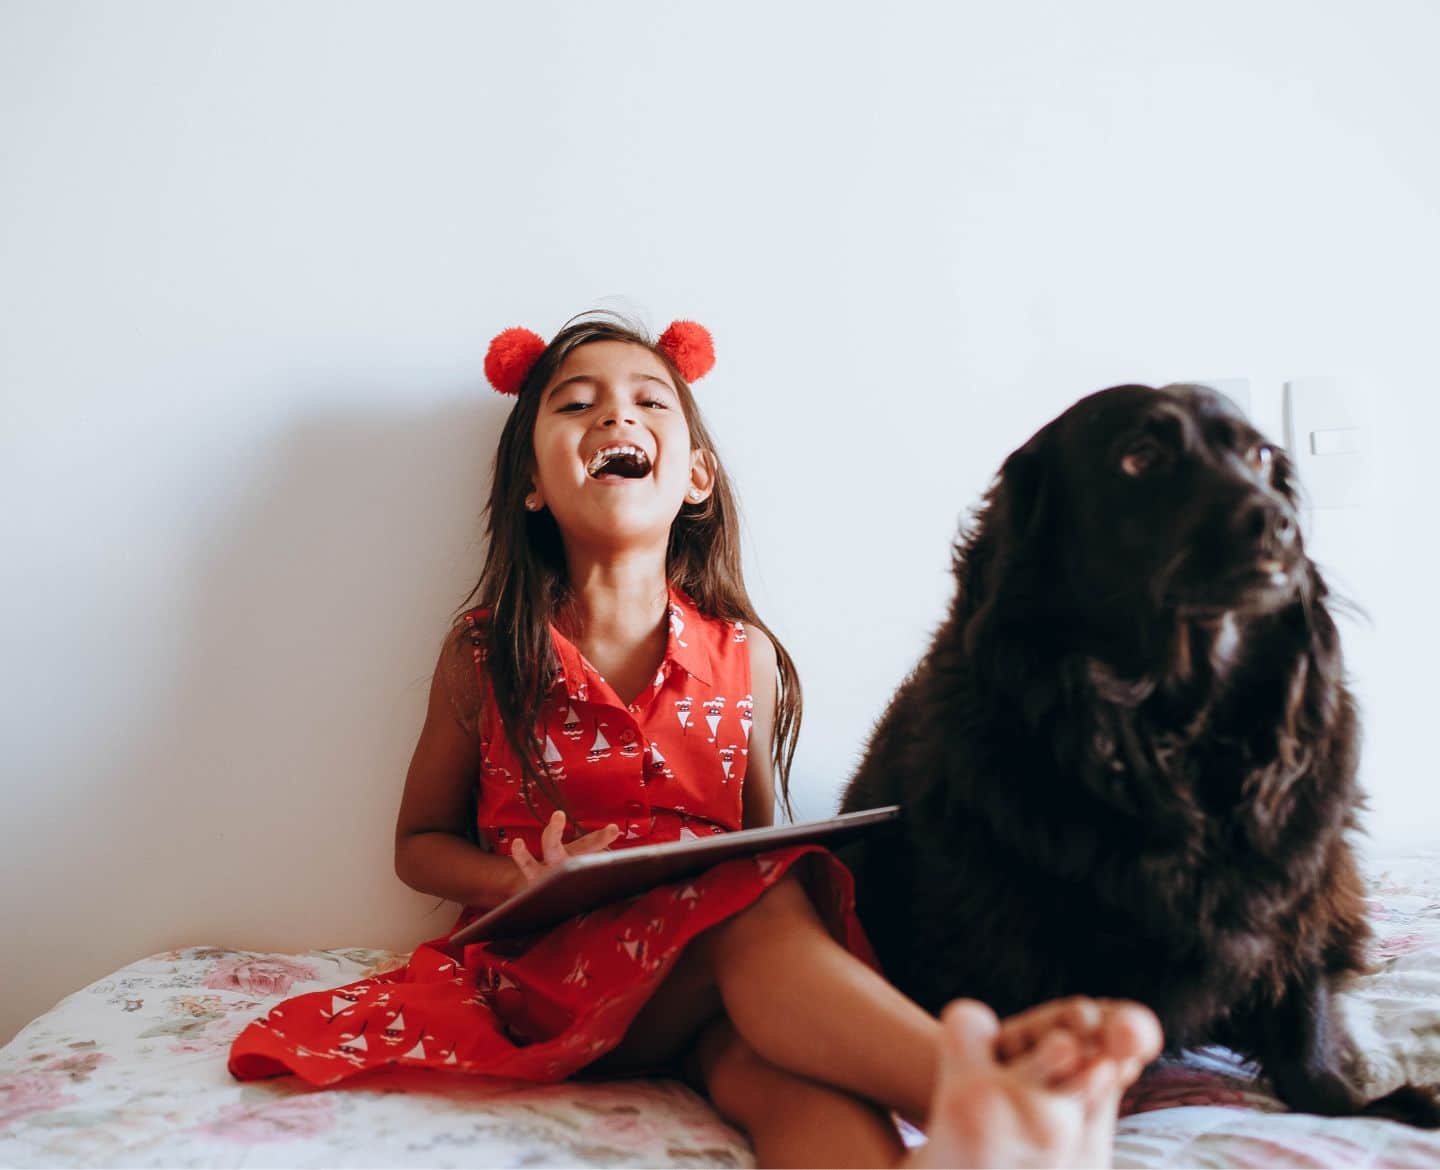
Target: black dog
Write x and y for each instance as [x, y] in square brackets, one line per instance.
[1127, 762]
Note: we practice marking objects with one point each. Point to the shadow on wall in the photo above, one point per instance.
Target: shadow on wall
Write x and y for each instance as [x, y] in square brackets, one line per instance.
[255, 806]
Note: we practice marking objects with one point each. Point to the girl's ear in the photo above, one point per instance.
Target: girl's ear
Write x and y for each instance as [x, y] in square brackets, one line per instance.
[702, 476]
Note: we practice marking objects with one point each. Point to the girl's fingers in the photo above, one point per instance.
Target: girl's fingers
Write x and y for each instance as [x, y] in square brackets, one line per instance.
[554, 851]
[551, 848]
[520, 854]
[594, 842]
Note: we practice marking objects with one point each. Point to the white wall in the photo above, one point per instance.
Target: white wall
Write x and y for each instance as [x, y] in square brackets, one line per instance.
[251, 255]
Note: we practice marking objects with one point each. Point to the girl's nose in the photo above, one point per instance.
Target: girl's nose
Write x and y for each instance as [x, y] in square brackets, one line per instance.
[615, 415]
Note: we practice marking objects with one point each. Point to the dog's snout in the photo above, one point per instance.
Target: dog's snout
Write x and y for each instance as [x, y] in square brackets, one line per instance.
[1265, 523]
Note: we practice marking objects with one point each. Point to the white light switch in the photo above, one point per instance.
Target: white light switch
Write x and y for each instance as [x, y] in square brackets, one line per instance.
[1345, 441]
[1329, 440]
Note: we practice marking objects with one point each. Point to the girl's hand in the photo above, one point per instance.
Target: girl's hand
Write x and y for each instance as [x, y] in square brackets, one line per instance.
[553, 851]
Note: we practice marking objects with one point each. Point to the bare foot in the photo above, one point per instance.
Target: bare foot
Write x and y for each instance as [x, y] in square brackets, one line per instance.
[1043, 1091]
[1114, 1028]
[1114, 1041]
[1129, 1039]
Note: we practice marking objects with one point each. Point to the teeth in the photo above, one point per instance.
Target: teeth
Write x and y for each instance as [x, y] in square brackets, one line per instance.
[598, 459]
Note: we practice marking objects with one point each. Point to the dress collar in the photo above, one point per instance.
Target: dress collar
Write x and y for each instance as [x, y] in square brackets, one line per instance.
[685, 647]
[686, 641]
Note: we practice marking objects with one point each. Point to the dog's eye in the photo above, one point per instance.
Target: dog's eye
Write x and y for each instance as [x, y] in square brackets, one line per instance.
[1261, 457]
[1141, 457]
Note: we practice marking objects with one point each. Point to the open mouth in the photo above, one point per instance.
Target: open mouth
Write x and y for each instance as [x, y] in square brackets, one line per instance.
[622, 461]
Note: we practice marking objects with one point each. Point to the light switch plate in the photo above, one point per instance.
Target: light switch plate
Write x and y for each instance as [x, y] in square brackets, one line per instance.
[1329, 441]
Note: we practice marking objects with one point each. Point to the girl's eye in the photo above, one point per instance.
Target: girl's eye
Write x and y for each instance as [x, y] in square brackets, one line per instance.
[571, 407]
[655, 402]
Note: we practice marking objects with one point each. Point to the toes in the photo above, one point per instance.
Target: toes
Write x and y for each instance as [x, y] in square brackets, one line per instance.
[967, 1036]
[1056, 1056]
[1132, 1033]
[1022, 1031]
[1097, 1086]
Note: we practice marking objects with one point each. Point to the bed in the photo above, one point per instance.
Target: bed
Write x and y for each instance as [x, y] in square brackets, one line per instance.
[130, 1071]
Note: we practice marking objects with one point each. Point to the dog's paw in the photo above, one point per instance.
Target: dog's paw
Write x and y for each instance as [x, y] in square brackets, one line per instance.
[1417, 1105]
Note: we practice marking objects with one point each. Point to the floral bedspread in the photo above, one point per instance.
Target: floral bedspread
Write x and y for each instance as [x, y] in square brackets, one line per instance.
[1210, 1109]
[130, 1071]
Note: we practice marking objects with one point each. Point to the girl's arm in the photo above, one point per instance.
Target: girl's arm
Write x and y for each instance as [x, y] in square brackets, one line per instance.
[432, 852]
[758, 793]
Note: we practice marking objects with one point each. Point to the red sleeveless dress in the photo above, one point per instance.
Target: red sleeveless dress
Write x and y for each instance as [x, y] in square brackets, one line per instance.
[666, 767]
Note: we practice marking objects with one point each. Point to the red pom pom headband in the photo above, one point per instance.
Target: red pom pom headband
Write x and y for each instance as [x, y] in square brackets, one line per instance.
[514, 352]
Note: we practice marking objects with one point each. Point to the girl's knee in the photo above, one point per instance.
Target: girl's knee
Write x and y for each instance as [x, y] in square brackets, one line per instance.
[787, 898]
[738, 1081]
[783, 912]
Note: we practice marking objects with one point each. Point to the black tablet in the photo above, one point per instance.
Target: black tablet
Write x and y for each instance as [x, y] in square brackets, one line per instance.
[593, 879]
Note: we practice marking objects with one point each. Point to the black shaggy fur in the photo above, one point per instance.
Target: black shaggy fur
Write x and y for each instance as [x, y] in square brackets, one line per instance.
[1127, 762]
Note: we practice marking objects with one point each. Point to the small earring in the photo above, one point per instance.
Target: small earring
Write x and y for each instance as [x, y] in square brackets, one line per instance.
[695, 494]
[532, 504]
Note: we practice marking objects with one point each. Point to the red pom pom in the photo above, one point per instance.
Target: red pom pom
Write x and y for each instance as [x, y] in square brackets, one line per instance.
[510, 357]
[688, 344]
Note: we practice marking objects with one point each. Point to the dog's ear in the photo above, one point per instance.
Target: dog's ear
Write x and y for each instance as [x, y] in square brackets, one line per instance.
[1024, 495]
[1314, 727]
[1008, 519]
[1001, 567]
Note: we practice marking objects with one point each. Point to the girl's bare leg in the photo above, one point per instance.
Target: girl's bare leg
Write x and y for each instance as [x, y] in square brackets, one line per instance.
[800, 1000]
[807, 1005]
[1024, 1112]
[790, 1121]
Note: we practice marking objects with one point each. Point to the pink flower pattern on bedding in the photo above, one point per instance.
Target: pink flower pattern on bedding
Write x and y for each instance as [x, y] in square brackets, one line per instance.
[289, 1119]
[262, 975]
[30, 1092]
[131, 1070]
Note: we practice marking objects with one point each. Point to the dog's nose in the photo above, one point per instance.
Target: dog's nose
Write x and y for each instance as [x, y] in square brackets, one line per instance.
[1265, 522]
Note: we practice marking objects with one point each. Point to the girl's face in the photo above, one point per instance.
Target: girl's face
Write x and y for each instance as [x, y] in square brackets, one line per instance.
[612, 448]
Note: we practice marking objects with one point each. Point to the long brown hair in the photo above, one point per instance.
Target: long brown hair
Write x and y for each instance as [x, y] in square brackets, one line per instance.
[524, 584]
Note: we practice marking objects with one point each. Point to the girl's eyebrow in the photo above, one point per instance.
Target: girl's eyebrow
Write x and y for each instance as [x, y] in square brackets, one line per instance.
[636, 376]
